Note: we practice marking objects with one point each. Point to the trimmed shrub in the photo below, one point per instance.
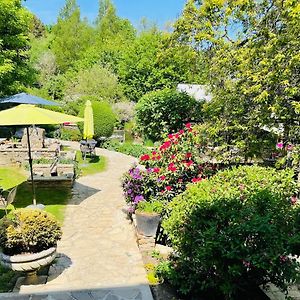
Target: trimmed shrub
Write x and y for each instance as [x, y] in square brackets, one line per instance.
[165, 111]
[70, 134]
[28, 231]
[239, 228]
[104, 119]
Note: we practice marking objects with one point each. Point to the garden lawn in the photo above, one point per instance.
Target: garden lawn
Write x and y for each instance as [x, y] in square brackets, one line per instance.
[91, 165]
[55, 198]
[11, 176]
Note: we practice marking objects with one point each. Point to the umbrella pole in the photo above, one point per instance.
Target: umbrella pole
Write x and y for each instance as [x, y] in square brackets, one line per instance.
[30, 165]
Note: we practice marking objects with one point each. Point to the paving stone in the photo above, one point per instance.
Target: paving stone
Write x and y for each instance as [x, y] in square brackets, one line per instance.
[112, 297]
[98, 247]
[81, 295]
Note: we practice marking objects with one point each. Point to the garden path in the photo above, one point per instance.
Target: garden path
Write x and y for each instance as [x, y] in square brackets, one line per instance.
[100, 258]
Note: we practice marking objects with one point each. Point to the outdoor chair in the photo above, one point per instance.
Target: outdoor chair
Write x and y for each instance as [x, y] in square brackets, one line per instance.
[88, 147]
[5, 201]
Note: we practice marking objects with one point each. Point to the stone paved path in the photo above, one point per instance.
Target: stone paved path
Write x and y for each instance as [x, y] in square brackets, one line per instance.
[99, 256]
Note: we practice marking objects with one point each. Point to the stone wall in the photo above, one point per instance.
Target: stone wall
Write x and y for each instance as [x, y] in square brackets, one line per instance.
[62, 169]
[17, 156]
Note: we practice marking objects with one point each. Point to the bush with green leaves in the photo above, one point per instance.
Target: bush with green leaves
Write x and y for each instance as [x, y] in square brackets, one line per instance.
[70, 134]
[165, 111]
[28, 231]
[135, 150]
[237, 229]
[104, 119]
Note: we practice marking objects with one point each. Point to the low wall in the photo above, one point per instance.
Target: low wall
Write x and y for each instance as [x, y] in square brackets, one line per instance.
[19, 156]
[62, 169]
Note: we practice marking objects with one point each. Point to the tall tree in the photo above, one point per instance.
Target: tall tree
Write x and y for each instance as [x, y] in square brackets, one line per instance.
[252, 48]
[72, 36]
[14, 41]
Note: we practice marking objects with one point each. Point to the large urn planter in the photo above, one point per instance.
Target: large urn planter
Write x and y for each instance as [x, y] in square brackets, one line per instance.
[147, 223]
[28, 263]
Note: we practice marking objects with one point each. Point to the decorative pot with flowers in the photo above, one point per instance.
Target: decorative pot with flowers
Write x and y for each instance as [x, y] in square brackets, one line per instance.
[28, 239]
[147, 215]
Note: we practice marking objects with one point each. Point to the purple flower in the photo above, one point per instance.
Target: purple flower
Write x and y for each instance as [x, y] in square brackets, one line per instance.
[129, 191]
[130, 210]
[138, 199]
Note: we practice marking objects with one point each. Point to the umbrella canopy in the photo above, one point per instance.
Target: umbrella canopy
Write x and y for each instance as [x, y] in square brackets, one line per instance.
[27, 115]
[24, 114]
[88, 126]
[24, 98]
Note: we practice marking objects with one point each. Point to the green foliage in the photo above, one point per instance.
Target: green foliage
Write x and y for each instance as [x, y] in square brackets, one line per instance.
[128, 148]
[252, 52]
[15, 72]
[98, 82]
[164, 111]
[239, 228]
[151, 63]
[104, 119]
[70, 134]
[72, 36]
[150, 207]
[28, 231]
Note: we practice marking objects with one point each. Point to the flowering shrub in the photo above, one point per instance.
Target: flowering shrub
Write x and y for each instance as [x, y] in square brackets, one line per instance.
[168, 169]
[236, 229]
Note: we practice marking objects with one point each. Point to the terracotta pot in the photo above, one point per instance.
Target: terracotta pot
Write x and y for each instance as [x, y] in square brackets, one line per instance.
[147, 223]
[28, 263]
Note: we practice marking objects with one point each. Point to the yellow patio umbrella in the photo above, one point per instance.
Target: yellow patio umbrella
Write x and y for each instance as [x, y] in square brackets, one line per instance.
[88, 125]
[28, 115]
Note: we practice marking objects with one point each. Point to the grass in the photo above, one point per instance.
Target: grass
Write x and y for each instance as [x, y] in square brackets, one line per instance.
[7, 279]
[54, 199]
[11, 176]
[91, 165]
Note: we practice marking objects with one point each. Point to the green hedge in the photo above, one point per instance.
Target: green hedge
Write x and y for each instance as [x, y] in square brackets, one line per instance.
[165, 111]
[104, 119]
[234, 230]
[135, 150]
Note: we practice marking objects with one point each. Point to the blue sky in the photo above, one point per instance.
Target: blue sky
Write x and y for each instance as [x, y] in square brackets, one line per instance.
[158, 11]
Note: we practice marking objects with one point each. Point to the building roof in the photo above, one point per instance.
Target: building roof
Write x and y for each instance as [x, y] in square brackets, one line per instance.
[199, 92]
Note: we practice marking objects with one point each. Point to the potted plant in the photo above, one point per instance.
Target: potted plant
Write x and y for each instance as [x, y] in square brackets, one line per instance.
[28, 239]
[147, 215]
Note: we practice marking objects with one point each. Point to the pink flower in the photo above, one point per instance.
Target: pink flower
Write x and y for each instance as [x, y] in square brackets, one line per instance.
[279, 145]
[188, 125]
[163, 177]
[168, 188]
[289, 147]
[294, 200]
[170, 136]
[181, 131]
[156, 170]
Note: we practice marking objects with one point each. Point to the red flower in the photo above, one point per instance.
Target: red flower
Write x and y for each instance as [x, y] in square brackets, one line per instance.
[189, 163]
[168, 188]
[173, 156]
[190, 129]
[188, 155]
[156, 170]
[181, 131]
[172, 167]
[177, 135]
[170, 136]
[163, 177]
[145, 157]
[158, 157]
[196, 179]
[188, 125]
[154, 153]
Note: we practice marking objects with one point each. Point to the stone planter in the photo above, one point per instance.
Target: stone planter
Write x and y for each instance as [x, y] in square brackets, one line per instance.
[147, 223]
[29, 263]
